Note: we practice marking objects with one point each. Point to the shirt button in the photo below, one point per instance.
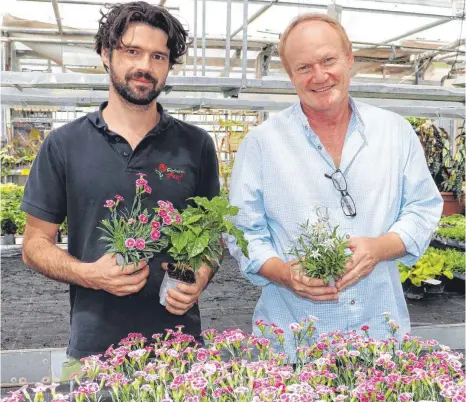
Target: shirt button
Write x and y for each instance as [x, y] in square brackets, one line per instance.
[117, 139]
[353, 301]
[125, 153]
[320, 147]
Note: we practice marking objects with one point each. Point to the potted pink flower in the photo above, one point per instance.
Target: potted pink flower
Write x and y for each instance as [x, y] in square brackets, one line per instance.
[133, 234]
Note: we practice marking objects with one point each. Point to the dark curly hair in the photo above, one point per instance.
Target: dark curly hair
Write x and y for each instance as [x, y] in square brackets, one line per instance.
[114, 23]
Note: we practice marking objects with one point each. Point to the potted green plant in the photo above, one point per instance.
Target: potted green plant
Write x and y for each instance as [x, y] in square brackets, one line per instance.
[195, 238]
[425, 275]
[321, 252]
[9, 229]
[436, 144]
[454, 178]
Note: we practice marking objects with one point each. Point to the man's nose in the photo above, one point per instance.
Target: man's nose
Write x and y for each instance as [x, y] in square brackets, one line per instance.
[319, 74]
[144, 63]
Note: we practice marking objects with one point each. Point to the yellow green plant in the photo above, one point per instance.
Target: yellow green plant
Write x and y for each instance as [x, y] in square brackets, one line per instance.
[431, 265]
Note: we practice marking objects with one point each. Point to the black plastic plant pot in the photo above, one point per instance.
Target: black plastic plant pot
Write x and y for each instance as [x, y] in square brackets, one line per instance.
[413, 292]
[173, 276]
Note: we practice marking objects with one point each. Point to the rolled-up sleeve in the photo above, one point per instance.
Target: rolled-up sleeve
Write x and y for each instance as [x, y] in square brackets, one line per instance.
[246, 192]
[421, 205]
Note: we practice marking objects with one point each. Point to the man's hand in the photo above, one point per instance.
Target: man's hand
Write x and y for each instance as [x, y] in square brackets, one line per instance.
[365, 258]
[183, 298]
[106, 274]
[314, 289]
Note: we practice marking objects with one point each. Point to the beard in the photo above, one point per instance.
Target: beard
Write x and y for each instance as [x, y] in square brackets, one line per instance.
[142, 95]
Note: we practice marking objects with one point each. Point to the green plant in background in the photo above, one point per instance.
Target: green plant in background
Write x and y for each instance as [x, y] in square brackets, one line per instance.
[11, 197]
[431, 265]
[321, 251]
[21, 152]
[452, 227]
[436, 144]
[454, 260]
[454, 174]
[227, 140]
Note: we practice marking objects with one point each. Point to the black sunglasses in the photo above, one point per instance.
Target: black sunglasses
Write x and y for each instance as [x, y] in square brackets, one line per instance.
[339, 182]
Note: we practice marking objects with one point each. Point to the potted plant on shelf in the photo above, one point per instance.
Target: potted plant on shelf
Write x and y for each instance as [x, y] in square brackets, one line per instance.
[453, 185]
[132, 233]
[195, 238]
[425, 275]
[321, 252]
[9, 229]
[436, 144]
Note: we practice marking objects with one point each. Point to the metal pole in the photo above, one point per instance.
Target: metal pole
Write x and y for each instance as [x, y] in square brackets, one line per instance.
[245, 43]
[420, 29]
[228, 42]
[203, 36]
[256, 15]
[195, 39]
[89, 3]
[56, 11]
[302, 4]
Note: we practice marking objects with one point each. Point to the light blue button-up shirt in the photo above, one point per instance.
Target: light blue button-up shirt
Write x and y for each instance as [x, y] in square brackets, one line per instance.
[277, 183]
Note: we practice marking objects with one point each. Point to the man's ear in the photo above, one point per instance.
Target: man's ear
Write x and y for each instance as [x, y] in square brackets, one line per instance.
[350, 60]
[105, 57]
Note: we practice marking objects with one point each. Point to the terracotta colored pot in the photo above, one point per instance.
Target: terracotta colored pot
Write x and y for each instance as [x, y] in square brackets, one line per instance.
[451, 205]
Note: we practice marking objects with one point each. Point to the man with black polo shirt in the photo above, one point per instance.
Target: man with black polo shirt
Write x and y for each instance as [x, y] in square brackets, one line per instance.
[91, 159]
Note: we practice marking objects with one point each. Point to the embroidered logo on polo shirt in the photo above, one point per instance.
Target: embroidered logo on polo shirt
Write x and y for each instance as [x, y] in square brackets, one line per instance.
[169, 173]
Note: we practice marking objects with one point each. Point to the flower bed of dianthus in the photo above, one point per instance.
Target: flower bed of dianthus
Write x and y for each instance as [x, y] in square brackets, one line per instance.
[337, 366]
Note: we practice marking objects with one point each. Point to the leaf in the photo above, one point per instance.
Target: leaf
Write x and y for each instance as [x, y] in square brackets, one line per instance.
[196, 229]
[199, 245]
[179, 240]
[193, 219]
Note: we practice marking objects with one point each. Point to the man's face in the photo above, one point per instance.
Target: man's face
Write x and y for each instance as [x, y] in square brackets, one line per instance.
[139, 69]
[319, 65]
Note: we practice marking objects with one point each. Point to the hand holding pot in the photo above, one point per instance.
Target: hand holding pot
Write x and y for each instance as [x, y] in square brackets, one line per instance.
[106, 274]
[314, 289]
[183, 298]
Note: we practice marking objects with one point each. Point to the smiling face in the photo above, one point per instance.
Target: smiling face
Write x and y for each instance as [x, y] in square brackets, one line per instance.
[139, 68]
[319, 66]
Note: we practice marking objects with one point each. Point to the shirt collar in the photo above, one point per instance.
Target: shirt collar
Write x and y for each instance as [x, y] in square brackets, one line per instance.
[355, 115]
[97, 119]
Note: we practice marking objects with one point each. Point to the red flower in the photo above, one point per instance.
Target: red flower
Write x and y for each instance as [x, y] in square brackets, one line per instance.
[163, 167]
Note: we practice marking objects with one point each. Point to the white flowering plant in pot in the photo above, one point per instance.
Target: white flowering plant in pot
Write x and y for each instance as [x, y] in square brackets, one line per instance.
[195, 238]
[321, 251]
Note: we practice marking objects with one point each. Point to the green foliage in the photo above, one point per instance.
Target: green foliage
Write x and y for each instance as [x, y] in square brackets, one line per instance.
[432, 264]
[454, 174]
[452, 227]
[21, 152]
[454, 260]
[11, 197]
[321, 251]
[436, 145]
[196, 239]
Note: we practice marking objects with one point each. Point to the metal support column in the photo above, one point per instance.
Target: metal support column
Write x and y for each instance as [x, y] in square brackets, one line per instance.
[228, 41]
[195, 40]
[203, 36]
[334, 11]
[245, 44]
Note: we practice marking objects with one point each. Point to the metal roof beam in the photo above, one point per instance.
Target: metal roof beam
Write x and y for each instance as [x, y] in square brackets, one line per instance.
[254, 17]
[89, 3]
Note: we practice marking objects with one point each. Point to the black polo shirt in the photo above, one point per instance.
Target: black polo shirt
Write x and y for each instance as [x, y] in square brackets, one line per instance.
[79, 167]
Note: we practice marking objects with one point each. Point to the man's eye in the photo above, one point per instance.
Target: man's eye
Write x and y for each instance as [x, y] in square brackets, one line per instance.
[329, 60]
[303, 68]
[131, 51]
[159, 57]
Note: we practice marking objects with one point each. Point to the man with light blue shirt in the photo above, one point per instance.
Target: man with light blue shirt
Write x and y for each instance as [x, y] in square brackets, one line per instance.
[365, 165]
